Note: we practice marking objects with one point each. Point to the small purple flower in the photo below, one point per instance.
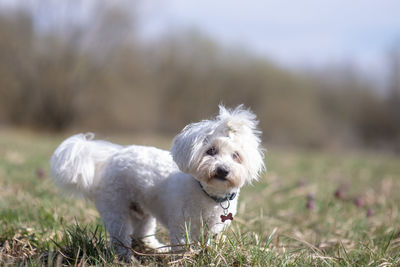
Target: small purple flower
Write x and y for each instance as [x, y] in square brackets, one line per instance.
[40, 173]
[339, 193]
[359, 202]
[310, 204]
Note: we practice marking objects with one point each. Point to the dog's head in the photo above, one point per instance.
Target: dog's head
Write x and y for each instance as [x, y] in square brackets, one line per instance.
[223, 153]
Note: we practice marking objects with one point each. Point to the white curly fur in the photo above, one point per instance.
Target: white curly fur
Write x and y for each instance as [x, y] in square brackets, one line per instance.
[134, 186]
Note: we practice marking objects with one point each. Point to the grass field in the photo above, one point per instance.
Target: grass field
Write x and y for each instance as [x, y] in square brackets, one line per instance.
[310, 208]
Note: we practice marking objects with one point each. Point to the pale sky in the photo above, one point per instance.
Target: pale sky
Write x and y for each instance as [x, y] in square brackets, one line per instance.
[291, 32]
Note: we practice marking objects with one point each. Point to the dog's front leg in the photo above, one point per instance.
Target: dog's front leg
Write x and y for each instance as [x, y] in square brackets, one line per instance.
[178, 239]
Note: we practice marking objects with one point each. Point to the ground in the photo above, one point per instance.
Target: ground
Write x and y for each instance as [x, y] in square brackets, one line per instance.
[309, 208]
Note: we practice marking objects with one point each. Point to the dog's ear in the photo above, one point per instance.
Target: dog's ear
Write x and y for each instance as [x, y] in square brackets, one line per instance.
[187, 146]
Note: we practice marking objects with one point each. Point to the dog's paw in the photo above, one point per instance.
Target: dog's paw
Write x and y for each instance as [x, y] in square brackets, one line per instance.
[163, 249]
[153, 243]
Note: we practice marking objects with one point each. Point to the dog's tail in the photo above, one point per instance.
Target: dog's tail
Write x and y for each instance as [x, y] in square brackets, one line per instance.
[76, 164]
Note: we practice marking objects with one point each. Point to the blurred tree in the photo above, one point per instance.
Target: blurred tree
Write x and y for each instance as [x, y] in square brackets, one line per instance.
[394, 93]
[96, 73]
[394, 79]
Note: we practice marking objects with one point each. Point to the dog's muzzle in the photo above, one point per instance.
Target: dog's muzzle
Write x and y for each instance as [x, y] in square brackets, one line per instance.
[221, 173]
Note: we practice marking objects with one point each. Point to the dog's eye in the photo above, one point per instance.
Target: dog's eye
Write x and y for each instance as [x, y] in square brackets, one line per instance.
[212, 151]
[236, 157]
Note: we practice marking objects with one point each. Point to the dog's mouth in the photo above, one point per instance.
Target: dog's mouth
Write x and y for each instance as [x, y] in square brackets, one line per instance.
[221, 173]
[221, 182]
[220, 178]
[226, 180]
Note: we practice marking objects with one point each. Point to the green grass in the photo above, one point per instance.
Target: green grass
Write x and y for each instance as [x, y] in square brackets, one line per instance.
[40, 226]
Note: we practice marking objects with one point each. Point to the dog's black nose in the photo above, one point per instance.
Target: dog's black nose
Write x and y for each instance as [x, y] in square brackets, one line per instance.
[221, 172]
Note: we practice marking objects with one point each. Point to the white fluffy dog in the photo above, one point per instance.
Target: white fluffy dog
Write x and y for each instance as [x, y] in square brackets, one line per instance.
[193, 187]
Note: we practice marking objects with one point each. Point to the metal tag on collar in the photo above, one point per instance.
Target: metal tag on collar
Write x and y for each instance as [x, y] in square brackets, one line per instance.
[225, 208]
[227, 215]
